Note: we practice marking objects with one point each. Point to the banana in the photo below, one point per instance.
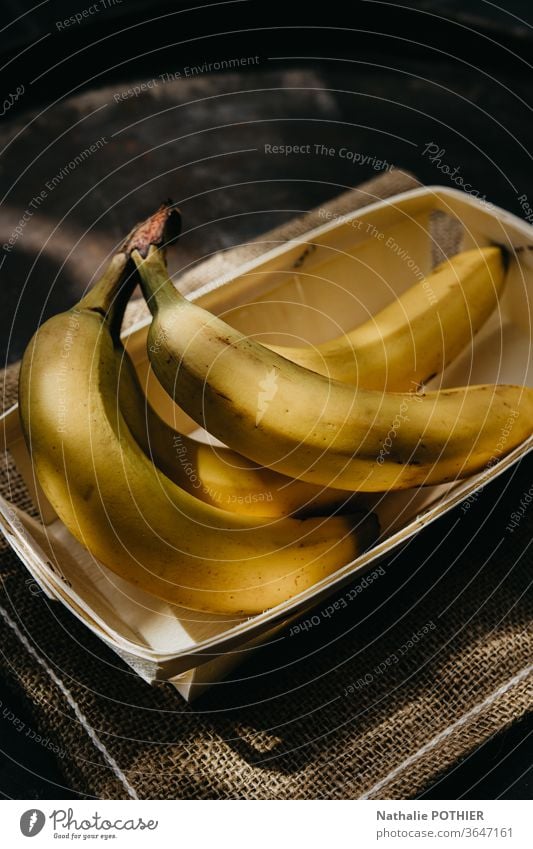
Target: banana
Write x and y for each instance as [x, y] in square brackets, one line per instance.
[419, 334]
[126, 512]
[218, 476]
[304, 425]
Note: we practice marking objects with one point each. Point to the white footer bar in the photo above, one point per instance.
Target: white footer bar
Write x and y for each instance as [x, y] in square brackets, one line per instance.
[268, 825]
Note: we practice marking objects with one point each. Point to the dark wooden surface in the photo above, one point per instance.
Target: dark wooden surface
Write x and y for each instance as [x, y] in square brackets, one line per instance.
[385, 83]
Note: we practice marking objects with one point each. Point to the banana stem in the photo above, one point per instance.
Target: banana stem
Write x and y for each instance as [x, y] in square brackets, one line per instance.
[156, 285]
[112, 292]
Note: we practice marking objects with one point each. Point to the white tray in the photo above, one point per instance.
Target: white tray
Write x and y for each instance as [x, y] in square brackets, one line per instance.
[313, 287]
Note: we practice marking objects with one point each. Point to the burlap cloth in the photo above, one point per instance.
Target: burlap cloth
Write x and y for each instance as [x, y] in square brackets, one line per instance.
[429, 660]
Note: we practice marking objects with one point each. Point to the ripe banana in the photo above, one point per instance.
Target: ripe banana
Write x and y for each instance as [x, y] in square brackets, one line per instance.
[218, 476]
[127, 513]
[302, 424]
[419, 334]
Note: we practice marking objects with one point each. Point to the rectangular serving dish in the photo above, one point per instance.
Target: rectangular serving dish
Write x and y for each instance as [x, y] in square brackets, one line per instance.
[311, 289]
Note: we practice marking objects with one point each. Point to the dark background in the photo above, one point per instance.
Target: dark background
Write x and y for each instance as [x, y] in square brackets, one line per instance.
[381, 78]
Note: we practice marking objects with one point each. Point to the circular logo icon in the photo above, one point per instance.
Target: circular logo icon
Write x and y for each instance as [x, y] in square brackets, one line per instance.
[32, 822]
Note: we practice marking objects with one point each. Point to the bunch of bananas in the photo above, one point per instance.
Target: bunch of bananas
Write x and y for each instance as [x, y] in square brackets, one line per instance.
[236, 530]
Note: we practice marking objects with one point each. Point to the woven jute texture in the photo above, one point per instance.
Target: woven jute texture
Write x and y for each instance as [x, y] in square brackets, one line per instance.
[374, 696]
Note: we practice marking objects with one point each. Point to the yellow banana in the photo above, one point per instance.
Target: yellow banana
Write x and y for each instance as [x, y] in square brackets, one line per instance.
[420, 333]
[302, 424]
[218, 476]
[127, 513]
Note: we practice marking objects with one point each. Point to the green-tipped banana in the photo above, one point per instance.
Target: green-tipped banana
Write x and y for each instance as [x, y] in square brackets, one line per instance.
[127, 513]
[302, 424]
[419, 334]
